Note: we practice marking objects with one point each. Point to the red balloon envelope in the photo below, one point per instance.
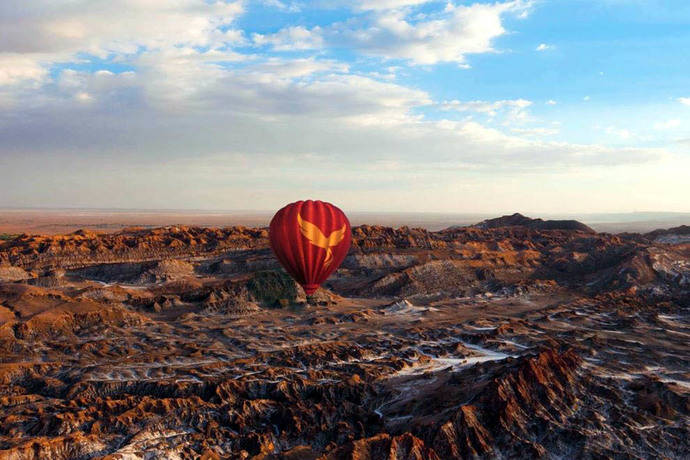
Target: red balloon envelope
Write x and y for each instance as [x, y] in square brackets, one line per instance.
[310, 239]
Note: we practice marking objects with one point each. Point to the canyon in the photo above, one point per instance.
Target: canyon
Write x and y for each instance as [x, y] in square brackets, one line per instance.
[511, 338]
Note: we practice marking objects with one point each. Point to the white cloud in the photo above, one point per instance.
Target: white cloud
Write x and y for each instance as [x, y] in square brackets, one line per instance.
[513, 110]
[16, 68]
[538, 131]
[48, 31]
[386, 4]
[586, 98]
[544, 47]
[291, 38]
[83, 97]
[684, 100]
[485, 106]
[551, 102]
[299, 67]
[186, 130]
[447, 36]
[621, 133]
[290, 7]
[459, 31]
[668, 124]
[186, 102]
[113, 26]
[186, 82]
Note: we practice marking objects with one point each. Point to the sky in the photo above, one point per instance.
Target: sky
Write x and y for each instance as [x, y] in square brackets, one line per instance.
[543, 106]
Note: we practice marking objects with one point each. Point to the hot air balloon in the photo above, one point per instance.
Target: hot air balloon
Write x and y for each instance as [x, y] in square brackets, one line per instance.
[310, 239]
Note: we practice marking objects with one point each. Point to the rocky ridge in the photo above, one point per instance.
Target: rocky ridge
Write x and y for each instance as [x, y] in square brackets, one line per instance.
[519, 220]
[499, 342]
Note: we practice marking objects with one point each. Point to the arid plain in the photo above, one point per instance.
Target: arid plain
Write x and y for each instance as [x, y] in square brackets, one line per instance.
[511, 338]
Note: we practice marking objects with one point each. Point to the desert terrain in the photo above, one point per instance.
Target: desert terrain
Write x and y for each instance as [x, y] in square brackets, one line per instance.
[14, 221]
[510, 338]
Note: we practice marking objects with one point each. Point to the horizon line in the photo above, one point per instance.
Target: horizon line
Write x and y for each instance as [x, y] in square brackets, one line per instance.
[271, 211]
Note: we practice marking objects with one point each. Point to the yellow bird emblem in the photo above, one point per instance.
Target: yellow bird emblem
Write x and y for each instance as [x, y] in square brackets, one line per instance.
[317, 238]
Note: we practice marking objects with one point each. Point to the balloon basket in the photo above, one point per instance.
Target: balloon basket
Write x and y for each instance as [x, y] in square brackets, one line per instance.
[311, 300]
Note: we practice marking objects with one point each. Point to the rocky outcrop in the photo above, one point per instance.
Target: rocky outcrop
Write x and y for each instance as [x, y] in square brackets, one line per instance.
[450, 277]
[384, 447]
[9, 273]
[675, 235]
[84, 248]
[531, 399]
[519, 220]
[57, 448]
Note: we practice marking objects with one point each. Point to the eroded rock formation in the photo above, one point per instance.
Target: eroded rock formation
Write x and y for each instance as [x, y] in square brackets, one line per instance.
[511, 339]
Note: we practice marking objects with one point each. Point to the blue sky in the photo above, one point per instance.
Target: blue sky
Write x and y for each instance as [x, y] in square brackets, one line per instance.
[389, 105]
